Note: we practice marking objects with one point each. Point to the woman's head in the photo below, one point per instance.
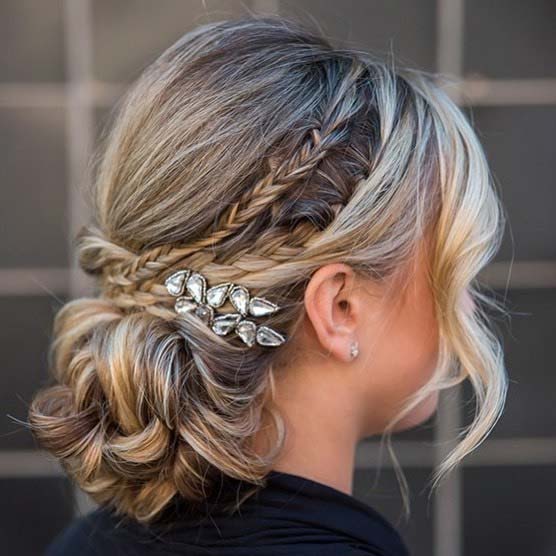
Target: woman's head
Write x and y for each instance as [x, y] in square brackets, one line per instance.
[342, 189]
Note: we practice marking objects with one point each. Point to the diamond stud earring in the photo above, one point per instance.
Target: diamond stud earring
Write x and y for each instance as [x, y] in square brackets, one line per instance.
[354, 350]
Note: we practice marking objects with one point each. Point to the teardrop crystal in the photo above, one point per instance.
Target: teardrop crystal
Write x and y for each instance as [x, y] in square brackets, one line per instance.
[196, 286]
[184, 304]
[217, 294]
[246, 331]
[260, 307]
[205, 313]
[223, 324]
[268, 337]
[239, 296]
[175, 282]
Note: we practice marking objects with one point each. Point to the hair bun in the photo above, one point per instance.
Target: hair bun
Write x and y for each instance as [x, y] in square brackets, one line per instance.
[140, 410]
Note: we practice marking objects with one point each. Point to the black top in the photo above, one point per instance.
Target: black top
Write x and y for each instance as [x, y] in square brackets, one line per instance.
[291, 515]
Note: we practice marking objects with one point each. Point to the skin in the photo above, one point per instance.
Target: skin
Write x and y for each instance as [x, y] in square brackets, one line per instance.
[329, 401]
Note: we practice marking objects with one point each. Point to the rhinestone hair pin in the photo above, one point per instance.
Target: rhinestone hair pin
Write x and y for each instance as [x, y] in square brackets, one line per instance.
[190, 288]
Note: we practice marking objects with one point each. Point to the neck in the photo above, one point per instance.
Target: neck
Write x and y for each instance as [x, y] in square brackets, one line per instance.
[321, 428]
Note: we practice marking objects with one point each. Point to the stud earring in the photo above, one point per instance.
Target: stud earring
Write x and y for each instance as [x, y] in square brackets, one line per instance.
[354, 350]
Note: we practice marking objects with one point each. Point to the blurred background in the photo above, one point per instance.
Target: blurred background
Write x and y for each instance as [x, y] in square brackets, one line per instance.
[63, 64]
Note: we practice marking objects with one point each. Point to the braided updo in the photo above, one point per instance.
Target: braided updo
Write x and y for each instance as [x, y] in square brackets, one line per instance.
[254, 152]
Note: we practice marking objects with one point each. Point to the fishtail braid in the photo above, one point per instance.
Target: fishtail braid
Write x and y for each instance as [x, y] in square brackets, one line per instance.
[136, 276]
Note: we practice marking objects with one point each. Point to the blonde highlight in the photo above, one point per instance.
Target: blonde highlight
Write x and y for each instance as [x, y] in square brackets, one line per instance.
[255, 162]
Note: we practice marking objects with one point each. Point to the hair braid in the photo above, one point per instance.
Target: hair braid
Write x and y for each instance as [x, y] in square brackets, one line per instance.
[331, 133]
[134, 275]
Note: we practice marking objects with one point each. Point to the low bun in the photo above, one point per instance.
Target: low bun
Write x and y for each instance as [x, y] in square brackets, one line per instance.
[144, 409]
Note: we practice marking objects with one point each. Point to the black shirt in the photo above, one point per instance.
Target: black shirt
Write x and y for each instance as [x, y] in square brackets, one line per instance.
[291, 515]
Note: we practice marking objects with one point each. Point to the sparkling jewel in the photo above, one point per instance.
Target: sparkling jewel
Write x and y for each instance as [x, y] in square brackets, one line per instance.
[239, 296]
[246, 331]
[205, 313]
[184, 304]
[190, 288]
[268, 337]
[196, 286]
[217, 294]
[223, 324]
[260, 307]
[175, 282]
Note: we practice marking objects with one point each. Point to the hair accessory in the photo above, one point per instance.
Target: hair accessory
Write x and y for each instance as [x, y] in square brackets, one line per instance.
[192, 294]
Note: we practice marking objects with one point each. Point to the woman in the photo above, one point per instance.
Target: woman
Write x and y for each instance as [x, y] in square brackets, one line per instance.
[286, 243]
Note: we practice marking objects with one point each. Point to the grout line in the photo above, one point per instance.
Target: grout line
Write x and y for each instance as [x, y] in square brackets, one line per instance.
[514, 451]
[105, 94]
[492, 452]
[511, 275]
[474, 91]
[29, 463]
[504, 92]
[80, 136]
[411, 453]
[520, 274]
[266, 6]
[448, 499]
[80, 124]
[24, 95]
[449, 45]
[34, 281]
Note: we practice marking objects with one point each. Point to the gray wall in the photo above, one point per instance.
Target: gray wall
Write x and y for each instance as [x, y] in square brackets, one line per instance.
[62, 66]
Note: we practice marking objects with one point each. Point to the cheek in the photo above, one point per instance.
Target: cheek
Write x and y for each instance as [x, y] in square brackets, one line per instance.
[413, 350]
[420, 336]
[419, 331]
[404, 359]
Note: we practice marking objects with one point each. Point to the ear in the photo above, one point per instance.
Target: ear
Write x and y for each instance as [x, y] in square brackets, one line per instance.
[333, 306]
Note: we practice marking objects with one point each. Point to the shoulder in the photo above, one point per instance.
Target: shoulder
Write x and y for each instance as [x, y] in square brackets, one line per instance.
[93, 534]
[359, 549]
[347, 549]
[341, 549]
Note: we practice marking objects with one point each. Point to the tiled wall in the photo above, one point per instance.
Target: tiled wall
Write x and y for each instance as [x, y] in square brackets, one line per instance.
[63, 63]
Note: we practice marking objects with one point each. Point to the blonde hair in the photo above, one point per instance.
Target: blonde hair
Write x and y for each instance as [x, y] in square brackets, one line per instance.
[254, 152]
